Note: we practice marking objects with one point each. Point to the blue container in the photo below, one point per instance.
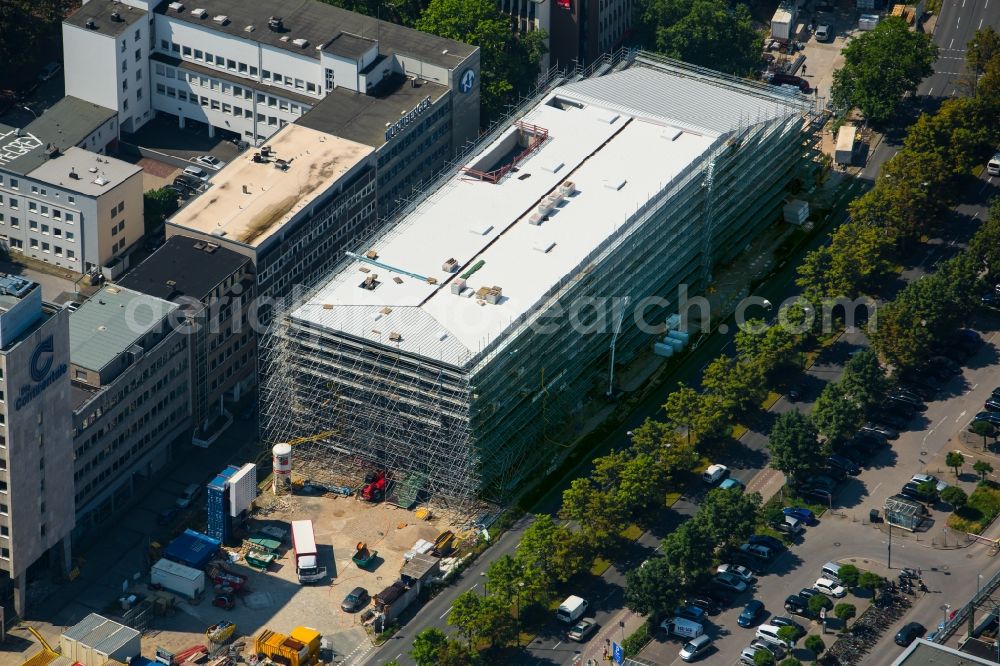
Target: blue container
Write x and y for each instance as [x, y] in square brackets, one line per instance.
[192, 549]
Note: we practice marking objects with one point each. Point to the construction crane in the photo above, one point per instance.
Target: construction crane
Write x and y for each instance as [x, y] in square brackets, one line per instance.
[43, 658]
[312, 438]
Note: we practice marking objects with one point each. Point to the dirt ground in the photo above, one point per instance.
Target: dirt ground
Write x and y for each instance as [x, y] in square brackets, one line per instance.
[275, 599]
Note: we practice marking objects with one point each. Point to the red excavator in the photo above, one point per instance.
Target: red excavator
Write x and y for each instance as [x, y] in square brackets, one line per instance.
[374, 488]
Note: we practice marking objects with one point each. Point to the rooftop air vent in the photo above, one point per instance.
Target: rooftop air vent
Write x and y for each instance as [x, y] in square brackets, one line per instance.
[211, 247]
[370, 282]
[395, 337]
[221, 19]
[371, 254]
[544, 246]
[671, 133]
[275, 23]
[283, 38]
[301, 43]
[553, 167]
[176, 6]
[450, 266]
[90, 24]
[73, 174]
[249, 28]
[116, 17]
[199, 245]
[614, 183]
[171, 283]
[101, 180]
[480, 228]
[92, 169]
[219, 232]
[199, 13]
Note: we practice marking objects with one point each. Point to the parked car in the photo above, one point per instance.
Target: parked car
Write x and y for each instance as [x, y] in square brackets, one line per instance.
[907, 393]
[823, 33]
[906, 403]
[990, 417]
[909, 633]
[693, 613]
[211, 161]
[582, 630]
[188, 495]
[803, 514]
[886, 416]
[880, 432]
[796, 392]
[714, 474]
[912, 491]
[728, 581]
[769, 633]
[749, 655]
[808, 593]
[821, 481]
[924, 478]
[846, 464]
[355, 600]
[992, 405]
[777, 651]
[695, 648]
[196, 172]
[50, 70]
[993, 166]
[790, 526]
[797, 605]
[818, 494]
[780, 621]
[750, 613]
[829, 588]
[766, 540]
[732, 483]
[738, 570]
[704, 602]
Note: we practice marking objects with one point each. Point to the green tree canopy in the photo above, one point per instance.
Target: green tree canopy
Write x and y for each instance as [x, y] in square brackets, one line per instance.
[793, 445]
[595, 509]
[815, 644]
[508, 66]
[556, 551]
[982, 48]
[690, 549]
[653, 588]
[426, 646]
[984, 429]
[955, 496]
[158, 205]
[845, 612]
[955, 460]
[881, 67]
[835, 414]
[864, 380]
[849, 575]
[481, 619]
[728, 516]
[982, 468]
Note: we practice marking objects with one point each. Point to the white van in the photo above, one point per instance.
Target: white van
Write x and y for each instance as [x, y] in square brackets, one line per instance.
[831, 570]
[678, 626]
[993, 166]
[714, 473]
[695, 647]
[196, 172]
[571, 609]
[769, 633]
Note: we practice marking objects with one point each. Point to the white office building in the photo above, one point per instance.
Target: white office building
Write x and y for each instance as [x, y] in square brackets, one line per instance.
[251, 67]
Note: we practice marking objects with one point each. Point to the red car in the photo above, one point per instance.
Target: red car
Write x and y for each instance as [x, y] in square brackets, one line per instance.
[224, 601]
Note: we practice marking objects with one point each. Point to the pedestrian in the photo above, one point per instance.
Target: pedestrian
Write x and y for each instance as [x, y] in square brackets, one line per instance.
[803, 68]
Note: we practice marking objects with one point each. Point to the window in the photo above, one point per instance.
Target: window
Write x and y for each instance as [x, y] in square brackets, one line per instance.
[175, 47]
[216, 86]
[124, 46]
[187, 51]
[33, 243]
[181, 95]
[45, 211]
[231, 64]
[4, 552]
[300, 84]
[125, 85]
[124, 65]
[171, 92]
[271, 101]
[283, 105]
[138, 55]
[32, 206]
[125, 105]
[70, 254]
[69, 236]
[69, 216]
[45, 247]
[160, 69]
[13, 183]
[14, 222]
[165, 45]
[33, 225]
[310, 87]
[243, 68]
[57, 232]
[138, 93]
[289, 81]
[34, 189]
[227, 89]
[138, 74]
[204, 101]
[45, 229]
[253, 71]
[121, 207]
[59, 251]
[137, 36]
[260, 119]
[114, 212]
[198, 55]
[219, 60]
[13, 202]
[226, 108]
[215, 105]
[266, 75]
[271, 120]
[161, 89]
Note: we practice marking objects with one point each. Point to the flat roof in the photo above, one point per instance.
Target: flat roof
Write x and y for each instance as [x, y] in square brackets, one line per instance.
[110, 322]
[97, 173]
[616, 160]
[349, 46]
[248, 201]
[363, 118]
[319, 24]
[68, 122]
[100, 11]
[183, 266]
[925, 653]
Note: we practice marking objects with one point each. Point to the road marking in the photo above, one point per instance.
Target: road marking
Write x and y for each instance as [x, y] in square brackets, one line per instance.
[875, 488]
[958, 22]
[473, 587]
[974, 387]
[450, 609]
[557, 645]
[980, 24]
[398, 656]
[929, 92]
[959, 418]
[951, 43]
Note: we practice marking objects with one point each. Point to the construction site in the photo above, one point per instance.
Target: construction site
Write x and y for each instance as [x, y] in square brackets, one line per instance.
[456, 351]
[277, 584]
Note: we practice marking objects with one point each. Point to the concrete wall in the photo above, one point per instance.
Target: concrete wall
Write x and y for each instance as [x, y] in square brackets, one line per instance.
[465, 105]
[89, 56]
[100, 237]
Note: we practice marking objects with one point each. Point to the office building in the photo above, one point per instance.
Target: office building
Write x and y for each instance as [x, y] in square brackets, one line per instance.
[36, 455]
[579, 31]
[250, 68]
[61, 200]
[130, 366]
[923, 652]
[214, 288]
[451, 350]
[288, 209]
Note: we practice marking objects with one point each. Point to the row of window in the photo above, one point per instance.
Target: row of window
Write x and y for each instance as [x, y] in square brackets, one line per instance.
[44, 229]
[34, 207]
[221, 62]
[18, 244]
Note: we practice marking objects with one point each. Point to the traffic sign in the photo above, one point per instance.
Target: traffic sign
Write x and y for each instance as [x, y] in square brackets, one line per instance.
[618, 653]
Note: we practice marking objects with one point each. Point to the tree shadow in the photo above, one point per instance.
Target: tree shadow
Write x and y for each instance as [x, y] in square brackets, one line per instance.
[985, 357]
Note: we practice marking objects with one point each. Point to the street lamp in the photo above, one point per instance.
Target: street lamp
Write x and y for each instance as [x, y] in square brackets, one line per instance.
[517, 596]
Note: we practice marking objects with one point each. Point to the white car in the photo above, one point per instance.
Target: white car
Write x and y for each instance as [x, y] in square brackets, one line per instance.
[924, 478]
[737, 570]
[210, 161]
[829, 587]
[714, 473]
[993, 166]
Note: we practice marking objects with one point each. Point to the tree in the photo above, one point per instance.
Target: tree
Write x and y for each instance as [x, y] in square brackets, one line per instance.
[552, 549]
[684, 408]
[426, 646]
[793, 445]
[928, 490]
[881, 67]
[984, 430]
[870, 581]
[845, 612]
[818, 603]
[455, 653]
[770, 350]
[511, 582]
[737, 383]
[835, 414]
[763, 658]
[158, 205]
[710, 33]
[508, 66]
[690, 550]
[728, 516]
[983, 469]
[653, 588]
[662, 441]
[955, 460]
[864, 380]
[982, 48]
[815, 644]
[596, 510]
[848, 575]
[955, 497]
[482, 618]
[788, 634]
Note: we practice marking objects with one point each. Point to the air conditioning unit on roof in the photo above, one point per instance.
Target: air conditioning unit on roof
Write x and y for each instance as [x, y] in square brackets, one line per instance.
[199, 13]
[221, 19]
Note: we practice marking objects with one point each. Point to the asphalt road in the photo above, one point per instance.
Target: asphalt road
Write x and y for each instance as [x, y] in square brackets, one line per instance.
[958, 21]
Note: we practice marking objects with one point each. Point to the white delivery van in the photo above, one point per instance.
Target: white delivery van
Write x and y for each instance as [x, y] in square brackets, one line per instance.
[695, 647]
[993, 166]
[678, 626]
[571, 609]
[714, 473]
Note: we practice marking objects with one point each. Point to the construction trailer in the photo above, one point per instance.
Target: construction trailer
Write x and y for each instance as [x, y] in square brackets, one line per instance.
[847, 137]
[96, 640]
[185, 581]
[299, 648]
[441, 350]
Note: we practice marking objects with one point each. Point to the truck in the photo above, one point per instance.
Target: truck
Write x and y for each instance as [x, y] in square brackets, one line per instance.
[306, 558]
[783, 22]
[571, 609]
[300, 648]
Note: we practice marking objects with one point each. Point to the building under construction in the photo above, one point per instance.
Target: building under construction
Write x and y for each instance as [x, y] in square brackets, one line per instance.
[457, 348]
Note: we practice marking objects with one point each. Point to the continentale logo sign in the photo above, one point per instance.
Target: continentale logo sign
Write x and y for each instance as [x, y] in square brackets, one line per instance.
[42, 372]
